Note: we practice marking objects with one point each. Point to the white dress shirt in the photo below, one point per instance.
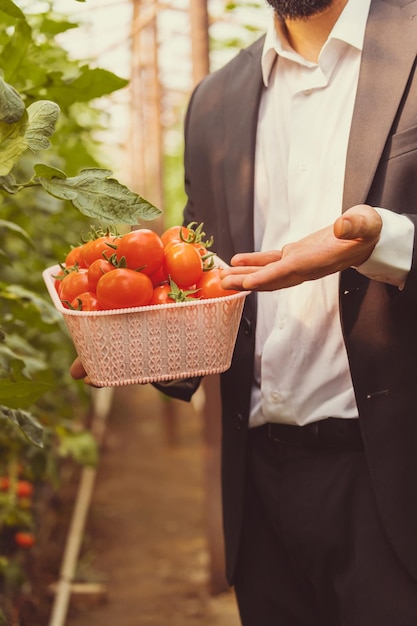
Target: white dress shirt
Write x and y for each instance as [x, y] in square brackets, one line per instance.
[301, 366]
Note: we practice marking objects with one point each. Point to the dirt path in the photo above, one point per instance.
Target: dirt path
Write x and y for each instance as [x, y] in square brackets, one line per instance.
[145, 537]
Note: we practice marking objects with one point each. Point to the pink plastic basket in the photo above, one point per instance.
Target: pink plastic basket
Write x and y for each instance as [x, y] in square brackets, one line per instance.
[153, 343]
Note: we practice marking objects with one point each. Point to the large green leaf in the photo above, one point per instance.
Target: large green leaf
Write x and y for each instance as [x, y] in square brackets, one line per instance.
[9, 7]
[43, 116]
[16, 50]
[12, 143]
[90, 84]
[96, 194]
[27, 423]
[22, 393]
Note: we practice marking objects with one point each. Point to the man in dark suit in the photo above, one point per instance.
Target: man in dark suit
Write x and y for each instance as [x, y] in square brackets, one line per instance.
[320, 514]
[301, 160]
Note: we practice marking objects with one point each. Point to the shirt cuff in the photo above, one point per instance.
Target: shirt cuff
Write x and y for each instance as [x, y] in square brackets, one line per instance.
[391, 258]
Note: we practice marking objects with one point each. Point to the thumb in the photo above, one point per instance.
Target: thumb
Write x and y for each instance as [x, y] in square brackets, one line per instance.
[359, 222]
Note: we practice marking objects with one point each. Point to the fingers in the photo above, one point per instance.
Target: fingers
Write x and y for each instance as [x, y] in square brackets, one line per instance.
[258, 259]
[77, 370]
[232, 278]
[245, 265]
[359, 222]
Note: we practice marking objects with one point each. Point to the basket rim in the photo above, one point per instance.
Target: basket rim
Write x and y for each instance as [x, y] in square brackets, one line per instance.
[48, 273]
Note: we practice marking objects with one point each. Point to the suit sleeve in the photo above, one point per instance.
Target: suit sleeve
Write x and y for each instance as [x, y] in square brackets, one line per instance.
[391, 259]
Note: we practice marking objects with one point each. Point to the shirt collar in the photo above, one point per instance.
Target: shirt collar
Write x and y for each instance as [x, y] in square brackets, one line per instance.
[350, 28]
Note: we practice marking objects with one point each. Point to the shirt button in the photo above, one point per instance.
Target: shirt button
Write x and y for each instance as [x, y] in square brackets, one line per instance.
[238, 421]
[276, 397]
[246, 325]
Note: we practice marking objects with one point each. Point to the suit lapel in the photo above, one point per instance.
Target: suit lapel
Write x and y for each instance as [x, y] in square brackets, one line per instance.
[388, 55]
[241, 114]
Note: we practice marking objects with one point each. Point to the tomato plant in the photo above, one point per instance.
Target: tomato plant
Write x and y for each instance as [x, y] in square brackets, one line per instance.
[209, 285]
[123, 288]
[183, 264]
[141, 249]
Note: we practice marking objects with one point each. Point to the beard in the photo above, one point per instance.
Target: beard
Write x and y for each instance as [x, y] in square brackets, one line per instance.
[298, 9]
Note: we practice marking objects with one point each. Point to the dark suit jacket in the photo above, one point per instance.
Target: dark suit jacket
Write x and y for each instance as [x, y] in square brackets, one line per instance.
[379, 321]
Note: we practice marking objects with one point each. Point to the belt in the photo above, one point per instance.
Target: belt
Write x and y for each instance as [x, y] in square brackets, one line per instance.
[329, 433]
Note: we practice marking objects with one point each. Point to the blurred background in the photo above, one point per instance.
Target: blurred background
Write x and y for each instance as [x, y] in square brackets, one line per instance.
[109, 499]
[163, 49]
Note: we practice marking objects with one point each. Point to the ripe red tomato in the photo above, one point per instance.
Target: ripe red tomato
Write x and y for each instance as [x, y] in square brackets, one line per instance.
[24, 489]
[100, 248]
[209, 285]
[161, 294]
[159, 277]
[74, 257]
[183, 264]
[86, 301]
[174, 234]
[96, 271]
[4, 483]
[142, 249]
[123, 288]
[24, 539]
[58, 279]
[73, 284]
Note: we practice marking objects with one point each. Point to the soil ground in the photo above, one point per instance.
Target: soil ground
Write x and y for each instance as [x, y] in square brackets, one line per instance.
[145, 538]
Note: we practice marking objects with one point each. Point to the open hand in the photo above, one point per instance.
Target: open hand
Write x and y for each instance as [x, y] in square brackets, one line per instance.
[346, 243]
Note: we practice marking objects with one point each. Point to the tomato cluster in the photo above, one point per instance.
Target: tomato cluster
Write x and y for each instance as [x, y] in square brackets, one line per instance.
[138, 269]
[23, 490]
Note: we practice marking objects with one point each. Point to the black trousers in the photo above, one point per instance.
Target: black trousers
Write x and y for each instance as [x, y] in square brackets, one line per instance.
[314, 551]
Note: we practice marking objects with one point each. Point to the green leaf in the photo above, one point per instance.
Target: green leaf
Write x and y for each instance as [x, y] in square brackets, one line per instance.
[21, 295]
[90, 84]
[8, 183]
[16, 50]
[81, 446]
[5, 224]
[12, 106]
[48, 172]
[23, 393]
[95, 194]
[27, 423]
[52, 27]
[12, 144]
[42, 118]
[9, 7]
